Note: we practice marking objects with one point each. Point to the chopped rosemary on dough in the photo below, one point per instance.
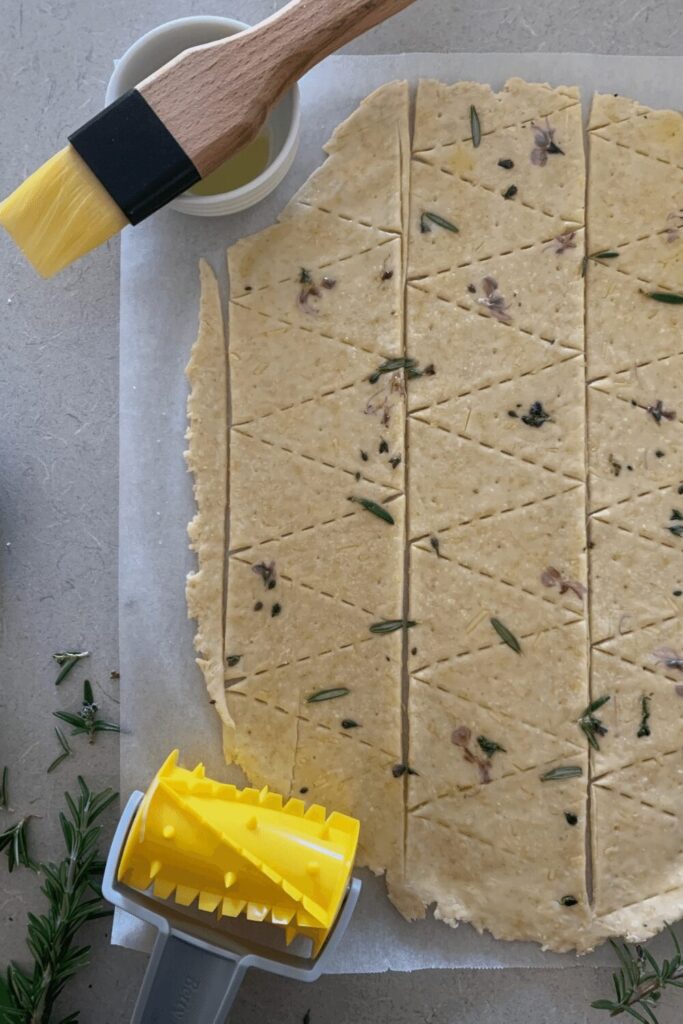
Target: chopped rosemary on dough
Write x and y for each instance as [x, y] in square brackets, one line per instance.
[331, 694]
[564, 771]
[569, 901]
[475, 127]
[571, 818]
[402, 769]
[675, 526]
[349, 723]
[266, 570]
[671, 297]
[590, 724]
[233, 659]
[429, 217]
[644, 729]
[391, 625]
[605, 254]
[506, 635]
[374, 508]
[510, 192]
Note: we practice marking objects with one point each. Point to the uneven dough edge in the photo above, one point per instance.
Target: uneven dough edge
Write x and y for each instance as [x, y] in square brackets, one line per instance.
[206, 459]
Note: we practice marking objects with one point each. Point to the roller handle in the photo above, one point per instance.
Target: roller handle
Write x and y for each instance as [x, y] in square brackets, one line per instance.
[214, 98]
[187, 984]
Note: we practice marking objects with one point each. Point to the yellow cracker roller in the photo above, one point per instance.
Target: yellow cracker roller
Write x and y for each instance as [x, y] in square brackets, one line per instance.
[225, 874]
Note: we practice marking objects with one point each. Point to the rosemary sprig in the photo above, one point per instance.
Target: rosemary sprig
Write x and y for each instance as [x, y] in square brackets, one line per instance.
[475, 126]
[563, 771]
[4, 792]
[337, 691]
[640, 981]
[506, 636]
[644, 729]
[68, 888]
[605, 254]
[14, 841]
[429, 217]
[377, 510]
[86, 721]
[67, 660]
[391, 625]
[671, 297]
[66, 750]
[590, 724]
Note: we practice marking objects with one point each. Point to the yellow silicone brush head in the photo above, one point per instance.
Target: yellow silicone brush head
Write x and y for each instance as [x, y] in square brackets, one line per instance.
[240, 852]
[60, 213]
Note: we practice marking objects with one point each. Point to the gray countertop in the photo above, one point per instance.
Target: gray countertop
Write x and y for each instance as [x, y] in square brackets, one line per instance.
[58, 482]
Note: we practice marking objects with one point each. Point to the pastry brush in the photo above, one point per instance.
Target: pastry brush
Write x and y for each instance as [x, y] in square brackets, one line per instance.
[174, 128]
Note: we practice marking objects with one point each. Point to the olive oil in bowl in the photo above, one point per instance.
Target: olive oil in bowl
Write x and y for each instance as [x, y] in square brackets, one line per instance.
[239, 170]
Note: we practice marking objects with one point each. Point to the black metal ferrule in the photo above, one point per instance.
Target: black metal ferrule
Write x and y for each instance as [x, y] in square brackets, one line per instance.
[134, 156]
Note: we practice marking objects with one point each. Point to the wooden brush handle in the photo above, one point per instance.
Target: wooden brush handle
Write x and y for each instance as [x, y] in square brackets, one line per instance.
[215, 98]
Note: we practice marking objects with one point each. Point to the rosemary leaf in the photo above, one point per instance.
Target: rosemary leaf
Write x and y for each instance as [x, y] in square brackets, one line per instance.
[590, 724]
[233, 659]
[67, 660]
[606, 254]
[435, 218]
[391, 365]
[506, 636]
[475, 126]
[66, 750]
[391, 625]
[671, 297]
[4, 793]
[569, 901]
[565, 771]
[332, 694]
[377, 510]
[490, 747]
[15, 842]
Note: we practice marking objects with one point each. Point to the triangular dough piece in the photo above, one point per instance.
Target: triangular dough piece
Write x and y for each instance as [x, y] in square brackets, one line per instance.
[658, 134]
[274, 365]
[616, 300]
[453, 607]
[368, 670]
[554, 657]
[444, 767]
[354, 779]
[631, 582]
[627, 685]
[650, 863]
[454, 480]
[555, 190]
[623, 446]
[363, 308]
[636, 193]
[306, 624]
[608, 108]
[361, 178]
[336, 429]
[469, 352]
[661, 250]
[313, 240]
[275, 492]
[487, 224]
[442, 113]
[642, 386]
[649, 516]
[494, 417]
[357, 559]
[542, 292]
[649, 647]
[554, 536]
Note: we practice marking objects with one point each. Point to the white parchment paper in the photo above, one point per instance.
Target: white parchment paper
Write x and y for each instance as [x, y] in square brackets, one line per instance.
[164, 703]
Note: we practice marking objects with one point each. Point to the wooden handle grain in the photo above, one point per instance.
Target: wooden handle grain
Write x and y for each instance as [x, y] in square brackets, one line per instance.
[215, 98]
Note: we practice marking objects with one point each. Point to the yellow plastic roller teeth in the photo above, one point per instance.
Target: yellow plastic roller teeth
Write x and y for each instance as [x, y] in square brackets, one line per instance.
[240, 851]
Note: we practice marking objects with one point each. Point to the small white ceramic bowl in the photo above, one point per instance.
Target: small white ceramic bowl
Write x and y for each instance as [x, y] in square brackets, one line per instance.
[283, 125]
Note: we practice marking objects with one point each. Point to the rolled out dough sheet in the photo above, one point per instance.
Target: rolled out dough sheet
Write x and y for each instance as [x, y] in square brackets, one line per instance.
[401, 945]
